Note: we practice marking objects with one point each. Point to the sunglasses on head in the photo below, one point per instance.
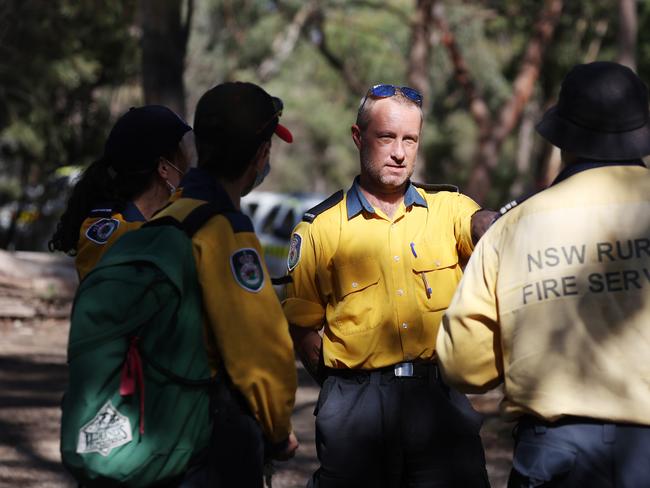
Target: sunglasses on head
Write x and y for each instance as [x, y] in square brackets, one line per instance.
[387, 91]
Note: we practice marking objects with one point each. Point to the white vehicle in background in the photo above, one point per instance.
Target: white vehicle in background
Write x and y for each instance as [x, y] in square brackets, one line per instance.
[274, 216]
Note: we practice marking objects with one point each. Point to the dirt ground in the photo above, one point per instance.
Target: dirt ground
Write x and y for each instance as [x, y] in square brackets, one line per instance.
[33, 377]
[35, 291]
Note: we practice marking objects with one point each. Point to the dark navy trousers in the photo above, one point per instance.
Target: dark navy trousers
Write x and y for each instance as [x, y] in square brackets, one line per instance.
[377, 430]
[578, 452]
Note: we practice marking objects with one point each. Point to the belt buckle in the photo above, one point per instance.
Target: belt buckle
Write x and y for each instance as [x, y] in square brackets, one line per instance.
[403, 370]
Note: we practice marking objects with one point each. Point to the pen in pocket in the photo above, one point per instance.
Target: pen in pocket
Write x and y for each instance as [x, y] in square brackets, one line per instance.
[426, 284]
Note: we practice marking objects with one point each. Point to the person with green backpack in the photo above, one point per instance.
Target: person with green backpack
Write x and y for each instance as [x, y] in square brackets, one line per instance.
[182, 369]
[247, 335]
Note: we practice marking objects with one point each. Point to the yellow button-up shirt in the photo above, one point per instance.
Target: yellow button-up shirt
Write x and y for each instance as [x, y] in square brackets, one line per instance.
[245, 328]
[555, 302]
[100, 231]
[379, 286]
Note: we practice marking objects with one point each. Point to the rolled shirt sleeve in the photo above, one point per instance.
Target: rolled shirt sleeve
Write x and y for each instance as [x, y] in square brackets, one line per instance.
[305, 305]
[465, 209]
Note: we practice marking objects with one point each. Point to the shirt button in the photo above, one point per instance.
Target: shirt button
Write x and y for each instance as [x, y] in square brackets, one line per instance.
[400, 292]
[437, 263]
[396, 258]
[355, 284]
[405, 325]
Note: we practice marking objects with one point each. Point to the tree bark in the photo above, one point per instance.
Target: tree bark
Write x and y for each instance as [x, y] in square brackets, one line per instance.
[627, 33]
[355, 85]
[419, 62]
[487, 155]
[419, 55]
[285, 43]
[164, 45]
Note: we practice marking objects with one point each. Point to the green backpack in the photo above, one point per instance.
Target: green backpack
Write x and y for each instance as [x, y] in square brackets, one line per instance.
[137, 407]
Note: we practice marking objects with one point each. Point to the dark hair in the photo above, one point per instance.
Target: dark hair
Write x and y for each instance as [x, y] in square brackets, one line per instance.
[227, 159]
[99, 185]
[232, 120]
[126, 170]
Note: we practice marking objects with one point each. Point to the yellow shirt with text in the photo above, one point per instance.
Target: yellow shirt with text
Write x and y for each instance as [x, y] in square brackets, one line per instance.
[555, 302]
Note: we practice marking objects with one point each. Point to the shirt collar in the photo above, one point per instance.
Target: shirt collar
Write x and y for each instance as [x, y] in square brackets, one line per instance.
[356, 201]
[201, 185]
[131, 213]
[585, 164]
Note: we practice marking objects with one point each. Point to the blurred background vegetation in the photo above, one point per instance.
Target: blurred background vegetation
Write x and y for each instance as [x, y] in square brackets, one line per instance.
[487, 68]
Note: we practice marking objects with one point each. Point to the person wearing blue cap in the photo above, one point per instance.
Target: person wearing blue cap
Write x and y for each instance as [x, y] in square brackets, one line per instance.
[147, 152]
[555, 300]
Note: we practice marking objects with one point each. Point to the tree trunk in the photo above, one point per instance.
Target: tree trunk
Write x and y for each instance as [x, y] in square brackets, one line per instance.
[627, 31]
[164, 44]
[487, 153]
[419, 61]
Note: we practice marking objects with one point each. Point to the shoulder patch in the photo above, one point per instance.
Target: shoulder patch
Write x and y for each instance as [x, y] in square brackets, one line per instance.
[247, 269]
[294, 251]
[102, 230]
[435, 188]
[326, 204]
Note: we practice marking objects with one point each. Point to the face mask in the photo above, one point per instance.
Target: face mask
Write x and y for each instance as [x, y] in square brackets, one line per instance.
[171, 187]
[259, 178]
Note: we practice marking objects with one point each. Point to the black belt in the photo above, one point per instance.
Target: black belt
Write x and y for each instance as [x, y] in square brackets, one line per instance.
[401, 370]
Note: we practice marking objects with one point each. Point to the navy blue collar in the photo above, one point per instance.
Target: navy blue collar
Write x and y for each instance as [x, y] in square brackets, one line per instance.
[357, 202]
[201, 185]
[584, 164]
[131, 213]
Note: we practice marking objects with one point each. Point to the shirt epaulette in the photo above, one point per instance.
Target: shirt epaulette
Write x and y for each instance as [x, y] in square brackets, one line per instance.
[517, 201]
[328, 203]
[436, 187]
[238, 221]
[103, 211]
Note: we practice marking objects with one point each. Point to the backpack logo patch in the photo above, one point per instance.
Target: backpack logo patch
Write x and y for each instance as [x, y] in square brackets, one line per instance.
[247, 269]
[294, 251]
[106, 431]
[101, 230]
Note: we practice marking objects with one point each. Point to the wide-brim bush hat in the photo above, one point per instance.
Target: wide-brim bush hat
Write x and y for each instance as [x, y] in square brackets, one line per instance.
[602, 113]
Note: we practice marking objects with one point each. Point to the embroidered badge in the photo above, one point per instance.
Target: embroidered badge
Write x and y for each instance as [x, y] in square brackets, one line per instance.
[108, 430]
[101, 230]
[294, 251]
[247, 269]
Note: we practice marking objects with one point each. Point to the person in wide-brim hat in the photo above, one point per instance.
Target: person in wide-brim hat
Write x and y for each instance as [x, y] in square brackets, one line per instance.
[554, 302]
[602, 113]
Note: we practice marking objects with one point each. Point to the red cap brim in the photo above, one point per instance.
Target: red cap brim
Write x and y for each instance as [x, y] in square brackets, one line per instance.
[283, 133]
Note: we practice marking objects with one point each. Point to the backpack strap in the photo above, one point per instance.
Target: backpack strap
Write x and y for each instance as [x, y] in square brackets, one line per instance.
[197, 217]
[173, 376]
[200, 215]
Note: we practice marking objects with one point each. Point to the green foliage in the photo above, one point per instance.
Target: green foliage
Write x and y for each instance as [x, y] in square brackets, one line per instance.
[61, 59]
[56, 56]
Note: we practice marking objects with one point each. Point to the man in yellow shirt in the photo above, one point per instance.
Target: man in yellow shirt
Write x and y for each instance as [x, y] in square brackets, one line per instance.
[555, 301]
[376, 268]
[246, 333]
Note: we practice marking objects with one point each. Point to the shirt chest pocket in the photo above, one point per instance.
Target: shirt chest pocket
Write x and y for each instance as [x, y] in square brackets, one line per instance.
[356, 295]
[436, 274]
